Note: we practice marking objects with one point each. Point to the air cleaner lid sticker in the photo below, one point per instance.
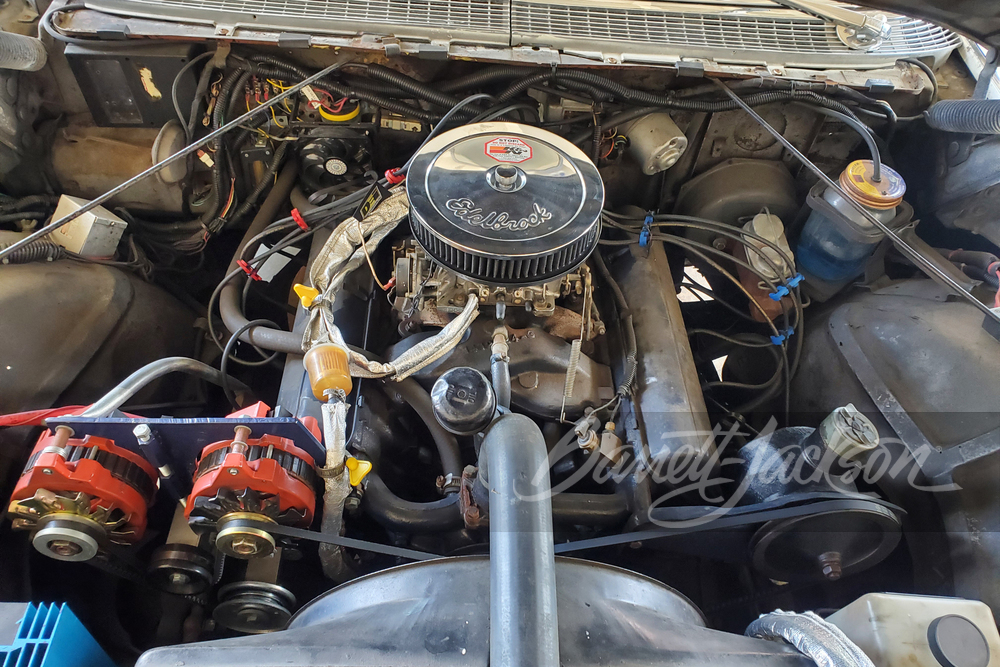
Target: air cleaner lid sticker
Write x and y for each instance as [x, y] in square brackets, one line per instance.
[508, 149]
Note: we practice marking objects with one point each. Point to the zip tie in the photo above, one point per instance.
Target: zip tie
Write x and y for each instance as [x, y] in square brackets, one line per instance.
[795, 280]
[394, 177]
[249, 270]
[776, 295]
[299, 220]
[782, 337]
[646, 234]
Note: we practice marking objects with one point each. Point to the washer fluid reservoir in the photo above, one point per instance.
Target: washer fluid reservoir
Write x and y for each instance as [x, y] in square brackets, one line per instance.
[837, 240]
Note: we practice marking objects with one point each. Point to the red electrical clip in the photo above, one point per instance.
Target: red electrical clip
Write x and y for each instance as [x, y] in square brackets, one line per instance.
[394, 177]
[299, 220]
[249, 270]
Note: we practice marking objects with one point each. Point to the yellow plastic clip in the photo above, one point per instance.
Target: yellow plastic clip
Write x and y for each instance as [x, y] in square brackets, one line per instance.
[306, 294]
[357, 469]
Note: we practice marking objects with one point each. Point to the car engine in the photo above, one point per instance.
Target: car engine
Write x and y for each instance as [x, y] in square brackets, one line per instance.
[341, 348]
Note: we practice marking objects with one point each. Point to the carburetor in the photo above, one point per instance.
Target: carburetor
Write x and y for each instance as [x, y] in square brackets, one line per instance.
[426, 289]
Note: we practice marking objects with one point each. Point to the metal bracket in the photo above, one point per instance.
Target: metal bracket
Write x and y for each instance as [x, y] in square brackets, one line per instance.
[181, 440]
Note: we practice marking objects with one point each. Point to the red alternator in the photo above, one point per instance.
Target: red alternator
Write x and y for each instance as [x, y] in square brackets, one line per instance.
[248, 481]
[76, 495]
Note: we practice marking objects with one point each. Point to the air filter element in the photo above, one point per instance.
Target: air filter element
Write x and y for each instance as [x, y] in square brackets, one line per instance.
[505, 204]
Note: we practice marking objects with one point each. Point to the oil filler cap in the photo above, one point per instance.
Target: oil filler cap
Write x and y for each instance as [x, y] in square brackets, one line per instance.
[956, 641]
[505, 204]
[463, 401]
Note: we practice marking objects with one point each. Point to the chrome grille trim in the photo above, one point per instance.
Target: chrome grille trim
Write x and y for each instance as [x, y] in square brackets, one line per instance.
[610, 30]
[484, 21]
[724, 35]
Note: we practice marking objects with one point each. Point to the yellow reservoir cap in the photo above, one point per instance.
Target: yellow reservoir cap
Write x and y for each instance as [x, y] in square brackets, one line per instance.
[328, 369]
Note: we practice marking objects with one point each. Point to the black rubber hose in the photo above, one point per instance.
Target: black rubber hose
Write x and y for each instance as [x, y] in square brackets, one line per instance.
[410, 391]
[600, 510]
[23, 215]
[485, 77]
[31, 201]
[377, 87]
[965, 116]
[926, 69]
[866, 134]
[979, 259]
[410, 85]
[300, 201]
[975, 264]
[229, 297]
[406, 516]
[521, 85]
[977, 273]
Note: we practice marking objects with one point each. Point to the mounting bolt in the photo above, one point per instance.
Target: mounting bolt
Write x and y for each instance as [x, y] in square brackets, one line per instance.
[244, 547]
[143, 434]
[179, 578]
[234, 471]
[64, 548]
[831, 564]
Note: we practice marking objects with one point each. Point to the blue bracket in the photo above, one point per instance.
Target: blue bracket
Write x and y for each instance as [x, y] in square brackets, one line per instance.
[48, 635]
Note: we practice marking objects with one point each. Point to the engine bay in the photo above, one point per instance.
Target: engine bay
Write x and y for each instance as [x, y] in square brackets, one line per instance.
[333, 356]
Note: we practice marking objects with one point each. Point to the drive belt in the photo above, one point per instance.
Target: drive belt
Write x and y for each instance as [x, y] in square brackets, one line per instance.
[737, 519]
[337, 540]
[733, 520]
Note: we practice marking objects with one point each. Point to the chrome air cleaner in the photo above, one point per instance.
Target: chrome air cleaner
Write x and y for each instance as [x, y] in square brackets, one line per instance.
[505, 204]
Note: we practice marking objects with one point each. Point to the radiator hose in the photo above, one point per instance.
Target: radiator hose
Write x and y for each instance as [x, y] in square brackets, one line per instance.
[21, 53]
[967, 116]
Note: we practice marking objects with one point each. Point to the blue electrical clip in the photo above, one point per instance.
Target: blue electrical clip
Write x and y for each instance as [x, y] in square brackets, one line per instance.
[795, 280]
[782, 337]
[646, 235]
[776, 295]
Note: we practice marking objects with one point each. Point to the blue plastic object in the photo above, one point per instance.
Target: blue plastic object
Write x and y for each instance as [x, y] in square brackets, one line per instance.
[646, 234]
[48, 635]
[782, 336]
